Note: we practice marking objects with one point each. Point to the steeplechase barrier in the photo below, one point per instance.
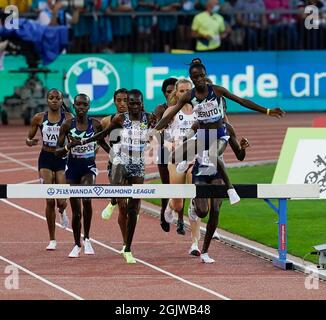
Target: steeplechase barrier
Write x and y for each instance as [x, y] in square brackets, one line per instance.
[266, 192]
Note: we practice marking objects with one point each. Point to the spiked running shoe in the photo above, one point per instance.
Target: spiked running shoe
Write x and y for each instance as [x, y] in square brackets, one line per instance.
[129, 258]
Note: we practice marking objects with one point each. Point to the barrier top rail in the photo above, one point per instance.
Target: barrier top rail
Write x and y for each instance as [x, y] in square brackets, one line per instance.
[259, 191]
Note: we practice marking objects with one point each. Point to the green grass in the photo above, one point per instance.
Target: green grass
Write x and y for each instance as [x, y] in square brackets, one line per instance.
[254, 220]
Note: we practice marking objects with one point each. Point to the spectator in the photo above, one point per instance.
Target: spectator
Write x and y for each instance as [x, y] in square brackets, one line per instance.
[167, 25]
[22, 5]
[53, 13]
[208, 28]
[253, 21]
[282, 30]
[122, 26]
[315, 37]
[101, 29]
[145, 25]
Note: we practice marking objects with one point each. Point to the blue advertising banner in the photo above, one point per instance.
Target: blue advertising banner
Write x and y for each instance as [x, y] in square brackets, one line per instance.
[292, 80]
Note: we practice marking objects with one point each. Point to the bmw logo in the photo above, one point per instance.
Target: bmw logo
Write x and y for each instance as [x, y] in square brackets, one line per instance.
[95, 77]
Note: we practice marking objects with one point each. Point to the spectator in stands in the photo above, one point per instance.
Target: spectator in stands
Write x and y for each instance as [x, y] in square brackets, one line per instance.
[101, 29]
[282, 30]
[167, 25]
[54, 13]
[145, 25]
[22, 5]
[122, 26]
[314, 38]
[208, 28]
[253, 21]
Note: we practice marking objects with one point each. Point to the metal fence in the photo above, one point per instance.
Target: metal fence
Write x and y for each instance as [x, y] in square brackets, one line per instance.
[164, 32]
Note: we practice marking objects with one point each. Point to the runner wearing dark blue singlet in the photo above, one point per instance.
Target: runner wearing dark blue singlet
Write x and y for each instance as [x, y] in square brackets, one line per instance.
[51, 168]
[206, 100]
[81, 167]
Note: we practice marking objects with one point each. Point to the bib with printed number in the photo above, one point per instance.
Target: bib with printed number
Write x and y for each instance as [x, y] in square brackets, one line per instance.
[134, 137]
[50, 131]
[210, 109]
[87, 150]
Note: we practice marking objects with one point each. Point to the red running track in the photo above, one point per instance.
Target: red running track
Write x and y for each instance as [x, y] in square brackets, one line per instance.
[164, 270]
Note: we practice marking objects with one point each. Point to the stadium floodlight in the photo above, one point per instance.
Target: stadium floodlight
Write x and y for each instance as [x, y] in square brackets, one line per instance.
[321, 251]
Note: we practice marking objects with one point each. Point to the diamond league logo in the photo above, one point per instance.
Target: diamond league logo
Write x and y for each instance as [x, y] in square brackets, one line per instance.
[50, 191]
[98, 190]
[95, 77]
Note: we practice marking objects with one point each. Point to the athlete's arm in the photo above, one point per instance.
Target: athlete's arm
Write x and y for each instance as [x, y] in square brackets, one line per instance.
[68, 115]
[98, 128]
[277, 112]
[62, 149]
[159, 111]
[239, 149]
[36, 121]
[105, 122]
[173, 111]
[115, 123]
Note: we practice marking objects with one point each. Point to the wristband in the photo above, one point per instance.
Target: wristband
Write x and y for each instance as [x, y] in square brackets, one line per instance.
[268, 111]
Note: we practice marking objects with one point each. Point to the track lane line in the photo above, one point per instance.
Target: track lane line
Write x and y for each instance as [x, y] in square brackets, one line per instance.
[192, 284]
[36, 276]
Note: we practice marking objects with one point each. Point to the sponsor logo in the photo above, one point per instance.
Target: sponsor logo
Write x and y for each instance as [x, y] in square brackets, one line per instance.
[51, 191]
[95, 77]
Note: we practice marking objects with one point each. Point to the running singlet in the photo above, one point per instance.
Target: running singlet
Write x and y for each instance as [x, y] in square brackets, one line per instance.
[85, 151]
[181, 125]
[133, 139]
[50, 131]
[208, 110]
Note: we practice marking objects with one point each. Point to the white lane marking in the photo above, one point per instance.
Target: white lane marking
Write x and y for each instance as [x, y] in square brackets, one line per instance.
[69, 293]
[216, 294]
[18, 162]
[14, 169]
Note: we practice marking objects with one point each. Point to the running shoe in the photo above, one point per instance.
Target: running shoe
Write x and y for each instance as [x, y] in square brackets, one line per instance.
[169, 214]
[52, 245]
[216, 236]
[129, 258]
[181, 228]
[194, 250]
[75, 252]
[204, 257]
[64, 220]
[233, 196]
[164, 225]
[107, 212]
[182, 167]
[88, 249]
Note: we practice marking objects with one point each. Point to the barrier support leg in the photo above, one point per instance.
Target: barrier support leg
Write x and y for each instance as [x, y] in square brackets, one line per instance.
[281, 262]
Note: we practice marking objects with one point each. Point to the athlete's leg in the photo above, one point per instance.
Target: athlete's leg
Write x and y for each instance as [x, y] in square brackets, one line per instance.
[119, 178]
[164, 175]
[76, 216]
[87, 179]
[61, 179]
[132, 210]
[215, 151]
[47, 177]
[176, 178]
[194, 220]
